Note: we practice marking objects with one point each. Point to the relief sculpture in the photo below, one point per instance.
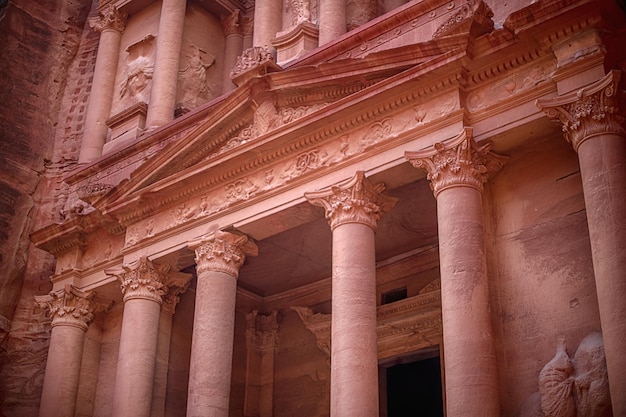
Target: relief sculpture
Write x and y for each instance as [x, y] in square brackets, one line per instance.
[140, 67]
[193, 77]
[574, 387]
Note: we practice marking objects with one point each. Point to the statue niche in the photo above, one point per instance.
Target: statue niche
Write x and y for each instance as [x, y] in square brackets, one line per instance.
[140, 67]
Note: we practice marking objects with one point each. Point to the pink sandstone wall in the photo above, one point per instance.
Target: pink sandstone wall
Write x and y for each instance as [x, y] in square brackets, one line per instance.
[542, 284]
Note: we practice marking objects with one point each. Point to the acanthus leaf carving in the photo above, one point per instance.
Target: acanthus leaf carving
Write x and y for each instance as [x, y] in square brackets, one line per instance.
[356, 200]
[143, 279]
[231, 23]
[109, 18]
[222, 252]
[457, 162]
[588, 112]
[262, 330]
[69, 307]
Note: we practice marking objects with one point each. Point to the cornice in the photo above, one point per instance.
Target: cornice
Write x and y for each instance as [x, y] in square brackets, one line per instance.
[333, 120]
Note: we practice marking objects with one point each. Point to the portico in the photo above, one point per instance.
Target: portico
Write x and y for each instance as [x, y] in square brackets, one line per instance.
[252, 250]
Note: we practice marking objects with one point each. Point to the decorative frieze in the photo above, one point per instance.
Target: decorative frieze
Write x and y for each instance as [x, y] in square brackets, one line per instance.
[356, 200]
[457, 162]
[222, 252]
[109, 18]
[69, 306]
[590, 111]
[143, 279]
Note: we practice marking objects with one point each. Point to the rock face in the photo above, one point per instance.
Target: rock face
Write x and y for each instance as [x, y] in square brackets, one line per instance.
[39, 43]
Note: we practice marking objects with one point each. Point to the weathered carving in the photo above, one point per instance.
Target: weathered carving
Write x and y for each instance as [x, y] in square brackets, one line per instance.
[457, 162]
[590, 111]
[300, 11]
[262, 330]
[473, 17]
[230, 23]
[304, 162]
[360, 12]
[109, 18]
[142, 279]
[177, 283]
[254, 61]
[140, 68]
[222, 252]
[579, 387]
[240, 190]
[319, 325]
[356, 200]
[193, 77]
[247, 25]
[69, 307]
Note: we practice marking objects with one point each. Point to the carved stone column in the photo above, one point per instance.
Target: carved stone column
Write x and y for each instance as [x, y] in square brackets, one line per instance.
[218, 259]
[261, 342]
[233, 47]
[110, 23]
[177, 284]
[71, 311]
[247, 29]
[457, 170]
[166, 63]
[332, 20]
[143, 286]
[594, 124]
[268, 18]
[353, 209]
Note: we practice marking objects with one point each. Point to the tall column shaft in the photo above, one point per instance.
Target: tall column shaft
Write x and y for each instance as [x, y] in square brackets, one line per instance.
[268, 15]
[457, 170]
[218, 259]
[354, 355]
[167, 62]
[233, 47]
[111, 24]
[593, 123]
[212, 345]
[136, 359]
[143, 285]
[470, 360]
[71, 311]
[332, 20]
[62, 372]
[353, 209]
[603, 172]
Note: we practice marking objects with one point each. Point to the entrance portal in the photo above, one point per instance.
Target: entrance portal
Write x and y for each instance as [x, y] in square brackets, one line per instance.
[414, 389]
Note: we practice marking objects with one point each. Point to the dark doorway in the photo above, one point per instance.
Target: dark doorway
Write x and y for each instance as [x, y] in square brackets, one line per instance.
[414, 389]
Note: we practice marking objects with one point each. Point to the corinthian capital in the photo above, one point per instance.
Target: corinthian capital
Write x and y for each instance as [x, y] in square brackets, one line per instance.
[457, 162]
[591, 111]
[356, 200]
[142, 279]
[69, 307]
[230, 23]
[109, 18]
[222, 252]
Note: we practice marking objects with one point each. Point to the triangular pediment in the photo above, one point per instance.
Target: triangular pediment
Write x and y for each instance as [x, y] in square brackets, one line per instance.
[262, 115]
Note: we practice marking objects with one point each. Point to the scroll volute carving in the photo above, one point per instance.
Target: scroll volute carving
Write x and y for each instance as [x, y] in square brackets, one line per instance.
[576, 387]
